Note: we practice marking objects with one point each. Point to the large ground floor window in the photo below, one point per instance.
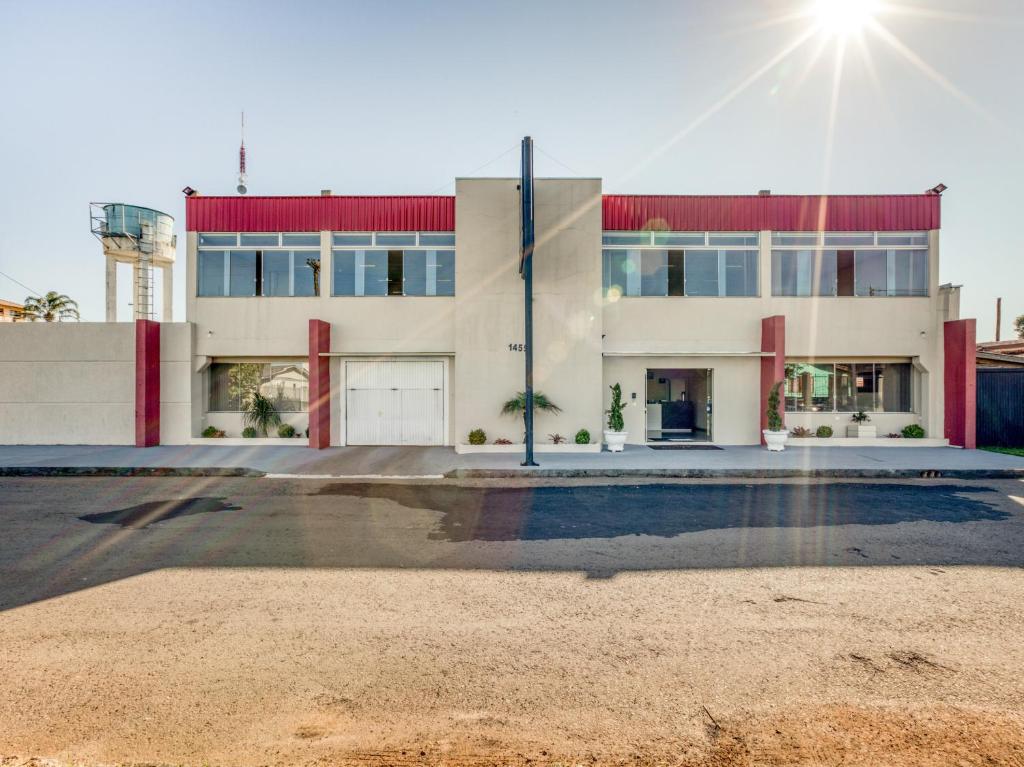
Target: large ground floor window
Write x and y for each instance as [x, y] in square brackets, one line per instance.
[849, 387]
[286, 384]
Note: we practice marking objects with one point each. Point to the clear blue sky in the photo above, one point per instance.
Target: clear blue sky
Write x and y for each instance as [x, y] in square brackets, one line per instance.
[132, 101]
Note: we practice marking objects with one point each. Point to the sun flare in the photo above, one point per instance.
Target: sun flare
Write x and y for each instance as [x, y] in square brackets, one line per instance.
[844, 17]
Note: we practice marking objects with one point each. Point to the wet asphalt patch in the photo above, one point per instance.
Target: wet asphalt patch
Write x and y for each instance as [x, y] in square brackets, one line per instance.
[145, 514]
[668, 510]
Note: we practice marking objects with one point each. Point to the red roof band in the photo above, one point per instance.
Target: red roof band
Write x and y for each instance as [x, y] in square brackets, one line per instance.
[621, 212]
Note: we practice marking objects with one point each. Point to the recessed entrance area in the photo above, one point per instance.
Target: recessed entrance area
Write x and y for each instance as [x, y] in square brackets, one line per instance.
[679, 405]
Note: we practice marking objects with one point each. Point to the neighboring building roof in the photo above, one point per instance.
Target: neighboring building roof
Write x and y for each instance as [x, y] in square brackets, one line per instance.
[781, 213]
[1005, 348]
[11, 304]
[697, 213]
[988, 359]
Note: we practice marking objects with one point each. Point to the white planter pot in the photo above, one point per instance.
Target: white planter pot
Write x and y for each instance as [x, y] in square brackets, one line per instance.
[861, 430]
[615, 440]
[775, 440]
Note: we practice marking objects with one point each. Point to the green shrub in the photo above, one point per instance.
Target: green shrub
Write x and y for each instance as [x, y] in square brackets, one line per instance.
[249, 432]
[913, 431]
[823, 432]
[478, 437]
[615, 420]
[775, 422]
[212, 432]
[286, 430]
[582, 437]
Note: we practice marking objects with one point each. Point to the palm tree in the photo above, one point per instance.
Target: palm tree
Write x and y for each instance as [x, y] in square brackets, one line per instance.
[53, 307]
[261, 414]
[518, 405]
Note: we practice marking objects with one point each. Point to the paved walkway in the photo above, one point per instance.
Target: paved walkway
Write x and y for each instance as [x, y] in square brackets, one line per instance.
[737, 461]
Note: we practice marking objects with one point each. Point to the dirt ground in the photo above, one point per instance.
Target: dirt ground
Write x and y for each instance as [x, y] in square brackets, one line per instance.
[176, 643]
[907, 666]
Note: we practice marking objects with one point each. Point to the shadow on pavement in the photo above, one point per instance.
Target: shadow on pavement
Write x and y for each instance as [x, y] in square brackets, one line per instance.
[64, 535]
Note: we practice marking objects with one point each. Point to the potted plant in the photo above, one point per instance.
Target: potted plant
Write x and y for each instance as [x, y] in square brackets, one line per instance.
[775, 435]
[615, 434]
[860, 427]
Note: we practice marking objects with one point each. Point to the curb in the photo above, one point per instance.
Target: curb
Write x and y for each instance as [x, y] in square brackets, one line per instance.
[738, 473]
[126, 471]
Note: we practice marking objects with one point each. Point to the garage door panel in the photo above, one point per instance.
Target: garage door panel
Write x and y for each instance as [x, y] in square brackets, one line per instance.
[394, 402]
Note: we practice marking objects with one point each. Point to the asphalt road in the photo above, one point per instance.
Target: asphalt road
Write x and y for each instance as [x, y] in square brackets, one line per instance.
[63, 534]
[244, 622]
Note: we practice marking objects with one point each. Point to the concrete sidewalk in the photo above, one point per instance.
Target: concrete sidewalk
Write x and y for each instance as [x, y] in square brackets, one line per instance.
[437, 462]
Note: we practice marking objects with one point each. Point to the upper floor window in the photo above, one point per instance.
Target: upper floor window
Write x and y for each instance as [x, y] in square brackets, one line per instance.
[860, 272]
[259, 264]
[680, 264]
[423, 266]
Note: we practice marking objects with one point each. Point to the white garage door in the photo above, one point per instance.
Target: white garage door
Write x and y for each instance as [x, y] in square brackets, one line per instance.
[394, 402]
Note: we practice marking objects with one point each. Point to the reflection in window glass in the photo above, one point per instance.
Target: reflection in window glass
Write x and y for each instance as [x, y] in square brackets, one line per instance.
[372, 273]
[352, 239]
[301, 239]
[740, 272]
[276, 273]
[414, 273]
[893, 380]
[809, 387]
[211, 273]
[306, 272]
[701, 272]
[865, 386]
[791, 272]
[654, 273]
[910, 272]
[285, 384]
[430, 238]
[846, 388]
[343, 280]
[218, 239]
[242, 280]
[445, 273]
[871, 273]
[259, 239]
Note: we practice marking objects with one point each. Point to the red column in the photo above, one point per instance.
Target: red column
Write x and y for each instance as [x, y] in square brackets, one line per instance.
[960, 380]
[147, 383]
[319, 384]
[773, 369]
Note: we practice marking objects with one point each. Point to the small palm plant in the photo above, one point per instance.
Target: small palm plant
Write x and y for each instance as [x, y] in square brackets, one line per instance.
[517, 405]
[261, 414]
[53, 307]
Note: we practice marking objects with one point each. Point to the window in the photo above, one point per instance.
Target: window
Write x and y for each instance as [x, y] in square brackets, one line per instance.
[630, 238]
[861, 272]
[301, 239]
[393, 272]
[232, 385]
[218, 240]
[809, 239]
[703, 271]
[259, 273]
[270, 240]
[848, 387]
[352, 239]
[744, 238]
[395, 239]
[849, 239]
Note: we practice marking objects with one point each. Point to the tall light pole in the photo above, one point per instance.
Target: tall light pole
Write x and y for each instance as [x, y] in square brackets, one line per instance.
[526, 268]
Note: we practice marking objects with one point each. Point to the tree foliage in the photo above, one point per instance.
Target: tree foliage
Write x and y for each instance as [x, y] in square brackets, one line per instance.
[53, 307]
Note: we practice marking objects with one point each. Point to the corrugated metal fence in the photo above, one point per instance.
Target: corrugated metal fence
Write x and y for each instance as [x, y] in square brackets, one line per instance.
[1001, 407]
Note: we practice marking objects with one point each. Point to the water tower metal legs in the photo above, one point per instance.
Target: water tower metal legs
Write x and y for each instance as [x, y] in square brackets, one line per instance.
[168, 280]
[111, 290]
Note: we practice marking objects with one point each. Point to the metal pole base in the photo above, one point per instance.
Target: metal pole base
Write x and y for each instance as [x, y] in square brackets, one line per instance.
[529, 463]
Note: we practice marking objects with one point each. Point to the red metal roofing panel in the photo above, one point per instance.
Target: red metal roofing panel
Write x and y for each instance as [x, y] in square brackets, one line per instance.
[320, 213]
[784, 213]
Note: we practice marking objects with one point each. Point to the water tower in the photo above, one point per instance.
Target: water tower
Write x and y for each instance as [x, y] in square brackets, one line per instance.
[142, 237]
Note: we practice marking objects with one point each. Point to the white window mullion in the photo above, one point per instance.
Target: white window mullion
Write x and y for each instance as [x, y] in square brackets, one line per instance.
[359, 269]
[431, 273]
[721, 273]
[227, 272]
[890, 272]
[291, 272]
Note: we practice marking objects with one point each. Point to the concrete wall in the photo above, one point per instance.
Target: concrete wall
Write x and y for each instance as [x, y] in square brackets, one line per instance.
[489, 306]
[67, 383]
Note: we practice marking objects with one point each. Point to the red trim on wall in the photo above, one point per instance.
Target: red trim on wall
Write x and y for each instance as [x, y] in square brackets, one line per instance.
[783, 213]
[773, 369]
[320, 213]
[960, 382]
[147, 383]
[319, 385]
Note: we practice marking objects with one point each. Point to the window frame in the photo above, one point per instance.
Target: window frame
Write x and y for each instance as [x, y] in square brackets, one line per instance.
[226, 251]
[854, 364]
[289, 362]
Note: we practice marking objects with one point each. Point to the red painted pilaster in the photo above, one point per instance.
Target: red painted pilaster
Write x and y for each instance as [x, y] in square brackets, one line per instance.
[773, 369]
[319, 384]
[147, 383]
[960, 381]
